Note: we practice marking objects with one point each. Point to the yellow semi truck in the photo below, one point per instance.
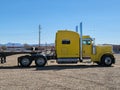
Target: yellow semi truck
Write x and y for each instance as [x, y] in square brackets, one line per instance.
[68, 49]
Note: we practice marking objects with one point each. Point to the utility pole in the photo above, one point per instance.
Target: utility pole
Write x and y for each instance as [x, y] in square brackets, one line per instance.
[39, 34]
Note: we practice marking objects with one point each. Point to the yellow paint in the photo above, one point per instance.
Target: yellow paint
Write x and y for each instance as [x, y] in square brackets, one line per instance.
[64, 48]
[67, 45]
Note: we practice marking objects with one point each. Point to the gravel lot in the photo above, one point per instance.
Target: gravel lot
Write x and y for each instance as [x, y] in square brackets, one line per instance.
[59, 77]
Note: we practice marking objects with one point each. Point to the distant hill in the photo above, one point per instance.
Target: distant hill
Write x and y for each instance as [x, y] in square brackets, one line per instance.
[13, 44]
[21, 45]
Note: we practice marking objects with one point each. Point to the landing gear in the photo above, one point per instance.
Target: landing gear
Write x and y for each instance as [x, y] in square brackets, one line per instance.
[3, 60]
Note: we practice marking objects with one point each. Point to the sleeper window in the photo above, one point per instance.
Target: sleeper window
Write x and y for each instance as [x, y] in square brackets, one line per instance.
[65, 41]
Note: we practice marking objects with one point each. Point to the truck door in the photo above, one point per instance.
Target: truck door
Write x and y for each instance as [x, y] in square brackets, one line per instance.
[87, 48]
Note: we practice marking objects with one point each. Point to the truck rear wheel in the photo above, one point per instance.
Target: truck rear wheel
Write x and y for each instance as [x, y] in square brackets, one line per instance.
[107, 60]
[25, 61]
[40, 61]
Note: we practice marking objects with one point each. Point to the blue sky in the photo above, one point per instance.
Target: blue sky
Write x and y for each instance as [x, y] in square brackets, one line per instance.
[19, 19]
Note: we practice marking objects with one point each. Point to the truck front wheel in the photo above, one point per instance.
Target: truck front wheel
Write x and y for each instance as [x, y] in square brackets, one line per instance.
[40, 61]
[107, 60]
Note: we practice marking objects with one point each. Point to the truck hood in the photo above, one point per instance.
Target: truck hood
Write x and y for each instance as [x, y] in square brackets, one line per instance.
[104, 48]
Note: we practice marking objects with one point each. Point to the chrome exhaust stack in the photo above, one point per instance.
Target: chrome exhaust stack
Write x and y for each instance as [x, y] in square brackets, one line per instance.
[81, 42]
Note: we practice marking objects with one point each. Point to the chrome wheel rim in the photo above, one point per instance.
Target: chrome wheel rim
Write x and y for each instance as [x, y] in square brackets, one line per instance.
[25, 61]
[40, 61]
[108, 60]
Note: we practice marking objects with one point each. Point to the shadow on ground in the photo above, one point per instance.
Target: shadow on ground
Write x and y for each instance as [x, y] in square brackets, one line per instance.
[16, 67]
[62, 67]
[54, 67]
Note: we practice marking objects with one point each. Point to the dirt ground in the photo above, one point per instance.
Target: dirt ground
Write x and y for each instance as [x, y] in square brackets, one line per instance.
[59, 77]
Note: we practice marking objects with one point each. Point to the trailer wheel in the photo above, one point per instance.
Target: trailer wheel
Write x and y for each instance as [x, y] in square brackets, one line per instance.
[107, 60]
[40, 61]
[25, 61]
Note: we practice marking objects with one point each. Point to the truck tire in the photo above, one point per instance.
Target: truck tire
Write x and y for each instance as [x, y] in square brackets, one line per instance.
[25, 61]
[107, 60]
[40, 61]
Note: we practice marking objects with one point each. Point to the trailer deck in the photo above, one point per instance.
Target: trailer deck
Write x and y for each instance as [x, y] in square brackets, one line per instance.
[4, 54]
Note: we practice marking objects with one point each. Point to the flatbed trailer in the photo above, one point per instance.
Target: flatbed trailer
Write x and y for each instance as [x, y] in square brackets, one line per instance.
[4, 54]
[27, 59]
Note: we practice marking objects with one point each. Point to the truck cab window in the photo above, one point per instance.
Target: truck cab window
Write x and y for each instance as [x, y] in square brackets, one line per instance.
[86, 42]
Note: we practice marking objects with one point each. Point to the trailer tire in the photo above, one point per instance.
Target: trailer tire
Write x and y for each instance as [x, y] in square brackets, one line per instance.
[40, 61]
[25, 61]
[107, 60]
